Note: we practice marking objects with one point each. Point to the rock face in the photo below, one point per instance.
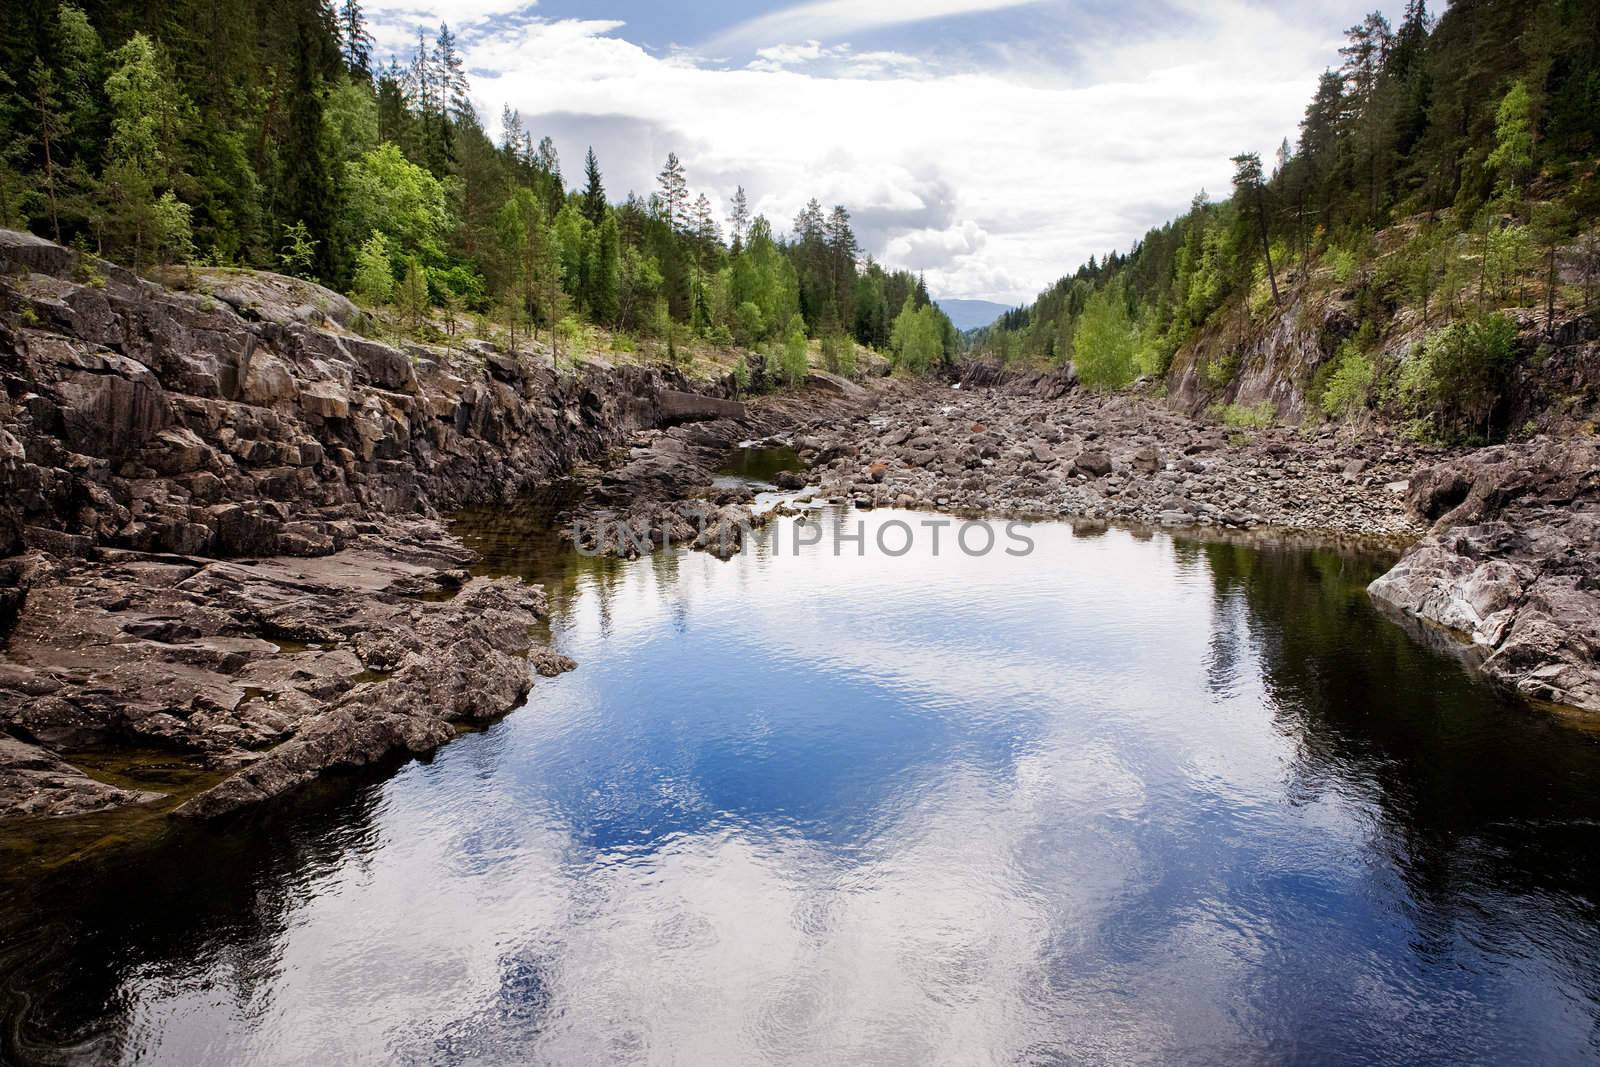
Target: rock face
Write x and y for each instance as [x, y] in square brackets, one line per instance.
[142, 418]
[150, 438]
[1512, 565]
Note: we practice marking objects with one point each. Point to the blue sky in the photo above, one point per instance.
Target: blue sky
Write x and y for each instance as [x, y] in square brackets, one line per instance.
[992, 144]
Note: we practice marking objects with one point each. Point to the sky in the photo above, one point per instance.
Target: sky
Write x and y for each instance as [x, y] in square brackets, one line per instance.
[992, 145]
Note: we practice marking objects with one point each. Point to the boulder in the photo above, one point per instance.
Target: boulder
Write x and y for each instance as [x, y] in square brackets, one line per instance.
[1094, 463]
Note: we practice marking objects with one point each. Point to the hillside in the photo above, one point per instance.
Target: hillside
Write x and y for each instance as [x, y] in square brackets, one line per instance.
[152, 138]
[1426, 253]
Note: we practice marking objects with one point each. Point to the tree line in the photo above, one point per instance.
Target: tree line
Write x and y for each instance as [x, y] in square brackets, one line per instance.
[269, 135]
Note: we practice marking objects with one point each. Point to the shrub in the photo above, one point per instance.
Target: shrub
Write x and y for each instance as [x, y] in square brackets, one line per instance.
[793, 363]
[1342, 262]
[298, 256]
[748, 324]
[1246, 416]
[839, 354]
[574, 335]
[374, 277]
[1220, 372]
[1350, 387]
[173, 229]
[1460, 374]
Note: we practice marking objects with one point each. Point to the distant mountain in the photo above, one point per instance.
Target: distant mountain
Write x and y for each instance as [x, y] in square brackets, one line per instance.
[971, 314]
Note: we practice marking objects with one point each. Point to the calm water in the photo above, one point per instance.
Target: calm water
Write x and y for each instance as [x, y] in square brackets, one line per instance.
[1125, 800]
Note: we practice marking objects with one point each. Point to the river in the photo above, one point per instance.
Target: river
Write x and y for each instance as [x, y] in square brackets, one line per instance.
[1125, 798]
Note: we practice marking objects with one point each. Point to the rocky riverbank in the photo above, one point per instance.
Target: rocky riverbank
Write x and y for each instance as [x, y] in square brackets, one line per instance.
[1511, 565]
[220, 523]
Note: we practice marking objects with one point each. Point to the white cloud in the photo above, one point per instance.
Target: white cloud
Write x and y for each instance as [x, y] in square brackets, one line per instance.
[456, 11]
[834, 18]
[994, 181]
[778, 56]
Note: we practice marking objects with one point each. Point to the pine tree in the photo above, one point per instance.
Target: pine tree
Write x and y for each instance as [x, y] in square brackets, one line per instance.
[842, 253]
[394, 116]
[309, 195]
[374, 273]
[51, 126]
[355, 40]
[594, 193]
[740, 216]
[79, 61]
[411, 298]
[1249, 184]
[455, 93]
[704, 224]
[604, 274]
[674, 190]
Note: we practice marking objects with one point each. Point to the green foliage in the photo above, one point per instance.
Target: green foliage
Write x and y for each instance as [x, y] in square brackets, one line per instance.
[1103, 347]
[1219, 372]
[389, 194]
[793, 363]
[839, 354]
[297, 254]
[172, 229]
[1457, 378]
[148, 116]
[1350, 387]
[1245, 416]
[574, 335]
[349, 121]
[748, 324]
[917, 337]
[1509, 255]
[375, 277]
[411, 298]
[1419, 120]
[1341, 263]
[1512, 158]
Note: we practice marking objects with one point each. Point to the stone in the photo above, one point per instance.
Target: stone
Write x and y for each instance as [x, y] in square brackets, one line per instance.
[326, 400]
[1093, 463]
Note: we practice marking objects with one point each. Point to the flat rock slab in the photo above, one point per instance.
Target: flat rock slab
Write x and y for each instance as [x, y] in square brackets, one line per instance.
[678, 406]
[245, 662]
[35, 781]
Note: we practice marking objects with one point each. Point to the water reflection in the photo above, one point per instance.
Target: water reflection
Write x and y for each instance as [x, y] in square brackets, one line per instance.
[1125, 800]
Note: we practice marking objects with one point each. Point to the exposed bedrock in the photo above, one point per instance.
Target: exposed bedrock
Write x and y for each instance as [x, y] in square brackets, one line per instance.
[1512, 565]
[216, 513]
